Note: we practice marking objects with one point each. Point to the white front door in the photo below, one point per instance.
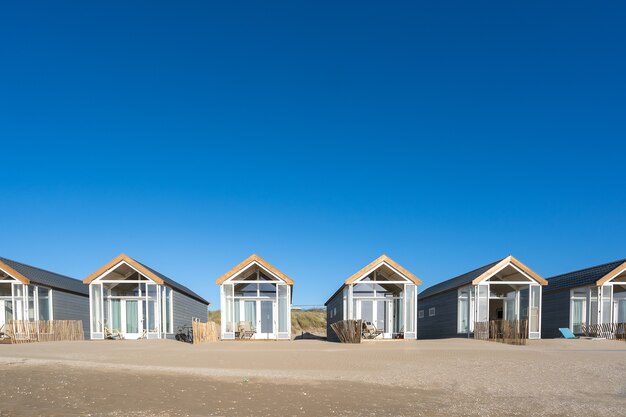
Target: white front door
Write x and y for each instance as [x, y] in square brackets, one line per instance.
[132, 327]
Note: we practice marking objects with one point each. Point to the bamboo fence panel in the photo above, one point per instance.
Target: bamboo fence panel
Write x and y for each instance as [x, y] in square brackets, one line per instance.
[512, 332]
[25, 331]
[611, 331]
[204, 332]
[348, 331]
[481, 330]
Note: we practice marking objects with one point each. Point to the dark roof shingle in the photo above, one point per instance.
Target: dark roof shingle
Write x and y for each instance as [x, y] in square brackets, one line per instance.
[47, 278]
[181, 288]
[456, 282]
[581, 277]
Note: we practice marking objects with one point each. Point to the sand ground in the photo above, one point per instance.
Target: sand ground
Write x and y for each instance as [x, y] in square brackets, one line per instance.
[306, 377]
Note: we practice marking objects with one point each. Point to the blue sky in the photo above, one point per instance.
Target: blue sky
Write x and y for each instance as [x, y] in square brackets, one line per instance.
[318, 135]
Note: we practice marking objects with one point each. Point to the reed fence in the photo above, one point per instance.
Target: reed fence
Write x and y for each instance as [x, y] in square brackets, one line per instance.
[612, 331]
[25, 331]
[348, 331]
[512, 332]
[204, 332]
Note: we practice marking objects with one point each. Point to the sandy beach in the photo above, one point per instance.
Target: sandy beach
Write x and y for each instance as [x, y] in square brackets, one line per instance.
[444, 377]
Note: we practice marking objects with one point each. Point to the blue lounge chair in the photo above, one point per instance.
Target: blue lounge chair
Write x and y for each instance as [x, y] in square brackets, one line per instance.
[567, 333]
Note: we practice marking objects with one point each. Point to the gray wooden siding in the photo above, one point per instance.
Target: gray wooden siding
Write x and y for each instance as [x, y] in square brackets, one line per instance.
[185, 309]
[335, 303]
[555, 311]
[444, 323]
[68, 306]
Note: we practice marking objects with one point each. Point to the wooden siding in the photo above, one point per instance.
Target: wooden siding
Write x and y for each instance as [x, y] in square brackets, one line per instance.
[68, 306]
[444, 323]
[555, 312]
[335, 302]
[185, 309]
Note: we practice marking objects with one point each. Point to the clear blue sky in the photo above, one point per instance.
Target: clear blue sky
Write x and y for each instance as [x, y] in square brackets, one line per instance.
[190, 135]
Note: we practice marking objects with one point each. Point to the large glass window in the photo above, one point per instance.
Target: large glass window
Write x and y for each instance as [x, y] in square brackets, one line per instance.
[283, 308]
[483, 303]
[169, 310]
[267, 290]
[116, 315]
[607, 302]
[367, 310]
[96, 308]
[578, 315]
[44, 303]
[619, 302]
[593, 305]
[410, 308]
[250, 312]
[31, 301]
[152, 319]
[463, 313]
[535, 299]
[524, 304]
[246, 290]
[579, 308]
[228, 325]
[5, 289]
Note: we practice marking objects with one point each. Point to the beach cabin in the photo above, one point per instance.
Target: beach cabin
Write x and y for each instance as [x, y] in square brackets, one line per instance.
[594, 297]
[384, 294]
[502, 290]
[30, 293]
[130, 299]
[255, 300]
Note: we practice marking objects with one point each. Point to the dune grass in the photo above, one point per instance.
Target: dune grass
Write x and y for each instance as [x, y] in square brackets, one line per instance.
[311, 321]
[308, 321]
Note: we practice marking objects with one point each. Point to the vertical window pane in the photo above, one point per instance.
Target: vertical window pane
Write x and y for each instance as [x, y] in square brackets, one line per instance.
[170, 309]
[534, 308]
[463, 316]
[483, 303]
[593, 305]
[411, 314]
[152, 318]
[96, 307]
[44, 303]
[283, 308]
[577, 315]
[367, 310]
[607, 292]
[30, 291]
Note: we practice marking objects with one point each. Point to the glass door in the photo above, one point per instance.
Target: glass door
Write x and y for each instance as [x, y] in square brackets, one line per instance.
[578, 315]
[266, 320]
[131, 314]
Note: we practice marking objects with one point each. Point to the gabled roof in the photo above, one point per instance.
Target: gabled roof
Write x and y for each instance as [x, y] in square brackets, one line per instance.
[379, 261]
[595, 275]
[32, 275]
[478, 275]
[383, 259]
[254, 258]
[145, 271]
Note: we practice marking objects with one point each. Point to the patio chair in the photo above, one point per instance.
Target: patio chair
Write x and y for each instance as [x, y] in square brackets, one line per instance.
[112, 334]
[370, 331]
[247, 330]
[567, 333]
